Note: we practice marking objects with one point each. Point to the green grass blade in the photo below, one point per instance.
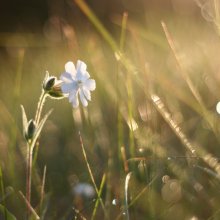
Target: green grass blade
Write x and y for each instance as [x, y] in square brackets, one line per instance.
[99, 195]
[88, 12]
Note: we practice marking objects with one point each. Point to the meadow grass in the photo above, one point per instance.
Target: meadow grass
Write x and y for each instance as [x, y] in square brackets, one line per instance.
[147, 145]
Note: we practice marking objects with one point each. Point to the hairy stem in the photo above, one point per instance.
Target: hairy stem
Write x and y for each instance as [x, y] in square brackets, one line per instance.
[40, 106]
[28, 178]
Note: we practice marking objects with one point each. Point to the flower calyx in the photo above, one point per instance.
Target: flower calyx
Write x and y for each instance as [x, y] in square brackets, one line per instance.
[52, 86]
[30, 130]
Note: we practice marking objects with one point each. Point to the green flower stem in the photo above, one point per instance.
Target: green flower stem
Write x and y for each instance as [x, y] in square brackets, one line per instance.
[40, 106]
[30, 147]
[28, 177]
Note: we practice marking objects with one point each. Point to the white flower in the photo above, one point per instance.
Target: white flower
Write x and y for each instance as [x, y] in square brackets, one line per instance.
[77, 81]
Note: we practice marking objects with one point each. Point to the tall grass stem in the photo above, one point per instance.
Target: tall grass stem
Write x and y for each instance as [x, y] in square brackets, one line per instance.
[90, 173]
[42, 188]
[127, 180]
[99, 196]
[31, 209]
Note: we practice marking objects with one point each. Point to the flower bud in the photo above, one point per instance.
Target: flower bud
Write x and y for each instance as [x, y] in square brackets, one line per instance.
[49, 83]
[30, 130]
[52, 86]
[56, 92]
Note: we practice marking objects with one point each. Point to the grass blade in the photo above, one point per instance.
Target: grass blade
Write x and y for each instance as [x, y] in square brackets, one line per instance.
[39, 128]
[91, 175]
[31, 209]
[99, 196]
[88, 12]
[127, 179]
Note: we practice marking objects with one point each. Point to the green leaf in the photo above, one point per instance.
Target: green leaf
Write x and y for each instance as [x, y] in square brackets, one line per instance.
[39, 128]
[24, 119]
[5, 214]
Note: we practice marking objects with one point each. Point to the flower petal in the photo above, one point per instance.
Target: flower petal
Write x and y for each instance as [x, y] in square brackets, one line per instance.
[70, 68]
[82, 98]
[73, 98]
[86, 93]
[66, 77]
[77, 80]
[82, 76]
[68, 87]
[90, 84]
[81, 73]
[81, 66]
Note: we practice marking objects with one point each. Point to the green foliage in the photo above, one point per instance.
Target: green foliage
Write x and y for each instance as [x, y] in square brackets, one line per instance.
[5, 214]
[39, 129]
[150, 133]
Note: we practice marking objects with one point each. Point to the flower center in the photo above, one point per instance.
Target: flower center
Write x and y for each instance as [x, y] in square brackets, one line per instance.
[80, 83]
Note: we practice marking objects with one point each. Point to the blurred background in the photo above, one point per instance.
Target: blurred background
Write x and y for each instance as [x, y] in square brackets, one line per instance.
[40, 36]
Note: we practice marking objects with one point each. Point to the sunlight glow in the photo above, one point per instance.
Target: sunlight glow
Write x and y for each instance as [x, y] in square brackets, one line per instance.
[218, 107]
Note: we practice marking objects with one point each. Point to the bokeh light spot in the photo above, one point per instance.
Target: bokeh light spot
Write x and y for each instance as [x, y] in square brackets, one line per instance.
[218, 107]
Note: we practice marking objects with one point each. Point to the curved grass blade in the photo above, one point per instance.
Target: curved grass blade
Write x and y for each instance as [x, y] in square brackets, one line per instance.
[24, 119]
[83, 6]
[127, 180]
[39, 128]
